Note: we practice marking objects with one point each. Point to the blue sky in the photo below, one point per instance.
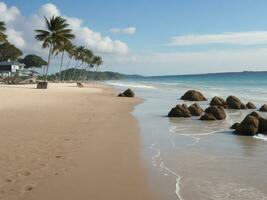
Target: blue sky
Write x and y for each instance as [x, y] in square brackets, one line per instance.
[158, 22]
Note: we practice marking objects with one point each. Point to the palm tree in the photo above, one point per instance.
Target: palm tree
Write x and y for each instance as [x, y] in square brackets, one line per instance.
[70, 49]
[97, 60]
[88, 59]
[2, 30]
[56, 34]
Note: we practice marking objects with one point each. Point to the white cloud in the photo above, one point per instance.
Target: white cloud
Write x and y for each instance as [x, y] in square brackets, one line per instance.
[237, 38]
[127, 31]
[20, 31]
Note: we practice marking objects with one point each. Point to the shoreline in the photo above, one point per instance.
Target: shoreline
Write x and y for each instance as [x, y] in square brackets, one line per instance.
[45, 156]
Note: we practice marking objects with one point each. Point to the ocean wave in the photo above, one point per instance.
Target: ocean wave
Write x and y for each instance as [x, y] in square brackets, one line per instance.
[261, 137]
[132, 85]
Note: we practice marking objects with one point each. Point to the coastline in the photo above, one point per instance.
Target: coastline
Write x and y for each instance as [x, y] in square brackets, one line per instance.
[70, 143]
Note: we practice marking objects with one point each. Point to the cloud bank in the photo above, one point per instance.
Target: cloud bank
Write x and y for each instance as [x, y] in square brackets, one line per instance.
[20, 31]
[238, 38]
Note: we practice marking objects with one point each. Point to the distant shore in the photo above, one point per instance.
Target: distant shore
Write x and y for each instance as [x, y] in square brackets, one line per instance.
[69, 143]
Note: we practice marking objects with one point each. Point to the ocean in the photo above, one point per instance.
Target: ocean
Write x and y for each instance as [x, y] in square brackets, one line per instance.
[189, 159]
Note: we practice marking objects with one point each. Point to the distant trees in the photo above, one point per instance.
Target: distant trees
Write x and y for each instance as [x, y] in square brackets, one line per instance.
[55, 36]
[9, 52]
[32, 60]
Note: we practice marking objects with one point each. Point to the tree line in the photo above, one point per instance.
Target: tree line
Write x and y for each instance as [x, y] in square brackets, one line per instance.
[58, 38]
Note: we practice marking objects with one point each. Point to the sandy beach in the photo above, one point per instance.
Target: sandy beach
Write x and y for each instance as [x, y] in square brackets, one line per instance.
[69, 143]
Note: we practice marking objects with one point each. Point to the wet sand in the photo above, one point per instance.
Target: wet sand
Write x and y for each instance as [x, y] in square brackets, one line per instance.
[69, 143]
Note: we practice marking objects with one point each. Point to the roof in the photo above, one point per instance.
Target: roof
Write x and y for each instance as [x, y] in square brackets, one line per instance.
[11, 63]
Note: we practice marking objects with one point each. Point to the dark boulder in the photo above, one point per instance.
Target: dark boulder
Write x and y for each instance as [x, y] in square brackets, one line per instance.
[217, 101]
[121, 95]
[128, 93]
[233, 102]
[262, 125]
[255, 114]
[207, 117]
[193, 95]
[264, 108]
[250, 105]
[195, 110]
[243, 106]
[249, 126]
[180, 111]
[235, 125]
[216, 111]
[42, 85]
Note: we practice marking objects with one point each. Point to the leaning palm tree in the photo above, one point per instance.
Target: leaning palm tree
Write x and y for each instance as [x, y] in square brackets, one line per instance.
[97, 60]
[88, 59]
[56, 34]
[3, 36]
[70, 49]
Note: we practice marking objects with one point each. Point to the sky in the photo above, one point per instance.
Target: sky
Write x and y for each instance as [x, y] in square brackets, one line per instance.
[152, 37]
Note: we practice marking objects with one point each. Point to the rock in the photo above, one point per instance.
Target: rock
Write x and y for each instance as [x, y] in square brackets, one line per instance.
[128, 93]
[195, 110]
[233, 102]
[79, 84]
[42, 85]
[121, 95]
[216, 111]
[217, 101]
[250, 105]
[207, 117]
[179, 111]
[262, 125]
[193, 95]
[235, 125]
[264, 108]
[249, 126]
[255, 114]
[243, 106]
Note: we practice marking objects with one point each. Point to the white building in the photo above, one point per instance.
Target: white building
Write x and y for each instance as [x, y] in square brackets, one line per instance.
[10, 67]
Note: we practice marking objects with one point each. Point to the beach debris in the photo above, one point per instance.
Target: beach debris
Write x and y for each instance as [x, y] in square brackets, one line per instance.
[180, 111]
[207, 117]
[234, 103]
[195, 110]
[193, 95]
[80, 85]
[42, 85]
[235, 125]
[250, 105]
[212, 112]
[264, 108]
[217, 101]
[127, 93]
[28, 187]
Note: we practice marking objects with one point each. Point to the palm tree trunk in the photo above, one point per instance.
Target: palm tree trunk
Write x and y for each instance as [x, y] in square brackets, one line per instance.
[48, 63]
[63, 78]
[61, 63]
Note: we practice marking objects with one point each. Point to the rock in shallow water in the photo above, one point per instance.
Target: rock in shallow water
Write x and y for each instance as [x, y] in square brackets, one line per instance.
[207, 117]
[233, 102]
[193, 95]
[195, 110]
[217, 101]
[249, 126]
[127, 93]
[180, 111]
[263, 108]
[250, 105]
[216, 111]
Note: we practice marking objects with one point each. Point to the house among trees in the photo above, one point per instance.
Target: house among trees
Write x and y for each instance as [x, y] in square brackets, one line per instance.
[10, 67]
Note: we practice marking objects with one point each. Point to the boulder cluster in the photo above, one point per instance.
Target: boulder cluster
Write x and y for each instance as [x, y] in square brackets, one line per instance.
[251, 125]
[216, 110]
[127, 93]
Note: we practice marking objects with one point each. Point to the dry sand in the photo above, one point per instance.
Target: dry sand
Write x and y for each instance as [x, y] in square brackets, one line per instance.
[69, 143]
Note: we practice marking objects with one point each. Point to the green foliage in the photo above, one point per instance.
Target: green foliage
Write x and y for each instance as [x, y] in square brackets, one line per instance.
[9, 51]
[33, 61]
[82, 74]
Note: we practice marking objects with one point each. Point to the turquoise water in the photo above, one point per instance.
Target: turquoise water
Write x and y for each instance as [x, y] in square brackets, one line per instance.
[190, 159]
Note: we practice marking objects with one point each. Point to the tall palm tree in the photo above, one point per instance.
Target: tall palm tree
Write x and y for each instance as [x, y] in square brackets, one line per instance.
[56, 34]
[97, 60]
[88, 59]
[3, 36]
[70, 49]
